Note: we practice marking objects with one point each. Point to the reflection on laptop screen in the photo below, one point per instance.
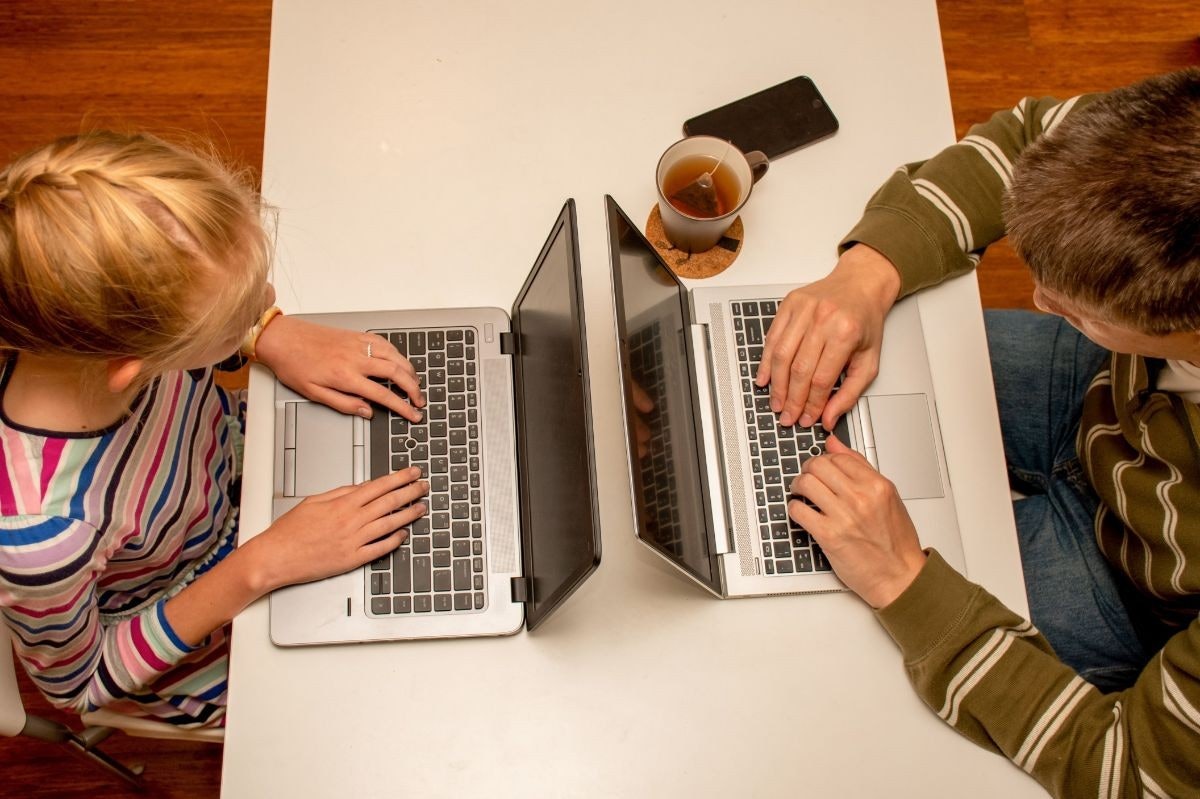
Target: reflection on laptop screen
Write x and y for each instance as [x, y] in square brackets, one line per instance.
[667, 488]
[553, 433]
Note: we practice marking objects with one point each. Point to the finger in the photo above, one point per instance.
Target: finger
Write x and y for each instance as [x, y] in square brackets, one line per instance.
[815, 491]
[856, 467]
[830, 470]
[382, 395]
[343, 403]
[833, 359]
[777, 331]
[834, 445]
[384, 546]
[396, 500]
[387, 362]
[800, 378]
[859, 374]
[372, 490]
[782, 357]
[392, 522]
[808, 517]
[641, 400]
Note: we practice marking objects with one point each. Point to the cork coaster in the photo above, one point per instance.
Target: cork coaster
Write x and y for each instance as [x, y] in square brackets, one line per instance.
[695, 265]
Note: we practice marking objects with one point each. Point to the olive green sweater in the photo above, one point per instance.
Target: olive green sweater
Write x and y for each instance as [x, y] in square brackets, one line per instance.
[981, 667]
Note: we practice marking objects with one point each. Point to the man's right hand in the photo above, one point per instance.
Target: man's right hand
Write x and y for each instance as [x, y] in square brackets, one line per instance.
[826, 327]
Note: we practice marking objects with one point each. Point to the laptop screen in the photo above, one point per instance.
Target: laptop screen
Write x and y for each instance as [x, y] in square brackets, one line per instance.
[559, 518]
[650, 309]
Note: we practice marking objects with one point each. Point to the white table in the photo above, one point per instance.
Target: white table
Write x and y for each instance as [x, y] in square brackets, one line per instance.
[418, 153]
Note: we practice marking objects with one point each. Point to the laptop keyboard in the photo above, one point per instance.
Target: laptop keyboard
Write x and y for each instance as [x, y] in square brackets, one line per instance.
[776, 452]
[440, 568]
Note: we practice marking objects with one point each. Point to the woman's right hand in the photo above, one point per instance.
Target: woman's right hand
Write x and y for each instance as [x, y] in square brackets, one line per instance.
[334, 532]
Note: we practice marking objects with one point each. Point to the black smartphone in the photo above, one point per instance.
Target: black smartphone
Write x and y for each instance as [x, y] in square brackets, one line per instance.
[776, 120]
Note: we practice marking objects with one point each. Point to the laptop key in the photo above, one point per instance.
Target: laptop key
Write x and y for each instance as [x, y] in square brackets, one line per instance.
[422, 579]
[381, 605]
[462, 574]
[401, 604]
[402, 570]
[423, 603]
[441, 580]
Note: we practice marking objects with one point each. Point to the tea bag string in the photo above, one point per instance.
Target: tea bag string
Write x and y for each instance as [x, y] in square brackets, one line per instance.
[712, 173]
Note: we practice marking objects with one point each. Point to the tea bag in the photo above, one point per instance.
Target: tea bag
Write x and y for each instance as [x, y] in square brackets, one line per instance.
[701, 193]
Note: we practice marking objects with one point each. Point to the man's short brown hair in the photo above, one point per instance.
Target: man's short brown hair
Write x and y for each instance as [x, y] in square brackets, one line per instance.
[1105, 208]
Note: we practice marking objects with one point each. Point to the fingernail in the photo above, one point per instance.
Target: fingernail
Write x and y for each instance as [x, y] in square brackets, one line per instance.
[776, 406]
[806, 420]
[417, 471]
[364, 412]
[785, 420]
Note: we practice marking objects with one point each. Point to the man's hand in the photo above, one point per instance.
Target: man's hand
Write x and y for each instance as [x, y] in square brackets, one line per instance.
[335, 367]
[826, 327]
[860, 523]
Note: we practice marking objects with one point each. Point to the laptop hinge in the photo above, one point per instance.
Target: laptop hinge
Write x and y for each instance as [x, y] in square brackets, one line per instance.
[520, 589]
[508, 343]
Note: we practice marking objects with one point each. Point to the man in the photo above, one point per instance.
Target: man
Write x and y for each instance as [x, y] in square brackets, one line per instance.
[1098, 406]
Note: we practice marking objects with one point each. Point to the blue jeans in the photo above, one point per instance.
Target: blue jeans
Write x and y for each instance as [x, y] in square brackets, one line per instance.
[1042, 366]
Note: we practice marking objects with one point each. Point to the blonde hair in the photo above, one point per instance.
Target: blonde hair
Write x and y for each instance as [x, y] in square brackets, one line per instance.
[117, 245]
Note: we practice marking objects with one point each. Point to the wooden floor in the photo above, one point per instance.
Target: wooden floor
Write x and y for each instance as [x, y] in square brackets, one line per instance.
[200, 67]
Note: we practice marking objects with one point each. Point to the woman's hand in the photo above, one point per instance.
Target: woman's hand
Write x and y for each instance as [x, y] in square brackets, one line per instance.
[335, 367]
[860, 523]
[820, 329]
[339, 530]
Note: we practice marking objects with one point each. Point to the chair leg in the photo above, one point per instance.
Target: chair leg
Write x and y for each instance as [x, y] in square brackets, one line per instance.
[85, 745]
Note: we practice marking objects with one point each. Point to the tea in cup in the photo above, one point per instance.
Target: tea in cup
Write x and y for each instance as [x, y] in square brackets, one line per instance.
[702, 183]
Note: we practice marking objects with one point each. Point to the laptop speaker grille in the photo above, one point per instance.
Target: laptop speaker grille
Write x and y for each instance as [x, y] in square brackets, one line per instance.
[498, 420]
[731, 438]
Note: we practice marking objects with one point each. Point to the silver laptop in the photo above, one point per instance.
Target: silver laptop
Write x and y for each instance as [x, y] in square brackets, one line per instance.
[506, 445]
[710, 467]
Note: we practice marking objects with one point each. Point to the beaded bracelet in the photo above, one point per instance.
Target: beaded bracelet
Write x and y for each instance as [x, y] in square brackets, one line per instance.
[251, 341]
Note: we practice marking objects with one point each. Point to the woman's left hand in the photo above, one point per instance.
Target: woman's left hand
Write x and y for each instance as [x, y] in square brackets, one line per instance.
[339, 367]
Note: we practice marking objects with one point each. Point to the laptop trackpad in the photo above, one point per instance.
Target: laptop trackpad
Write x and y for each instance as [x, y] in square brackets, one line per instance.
[904, 444]
[324, 449]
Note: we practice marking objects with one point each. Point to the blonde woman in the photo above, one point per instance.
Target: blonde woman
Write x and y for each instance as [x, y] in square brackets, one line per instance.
[129, 267]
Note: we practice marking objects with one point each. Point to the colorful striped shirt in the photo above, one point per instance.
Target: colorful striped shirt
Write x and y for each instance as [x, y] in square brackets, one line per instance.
[985, 670]
[98, 530]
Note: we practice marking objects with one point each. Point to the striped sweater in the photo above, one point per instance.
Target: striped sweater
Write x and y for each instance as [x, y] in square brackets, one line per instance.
[985, 670]
[98, 530]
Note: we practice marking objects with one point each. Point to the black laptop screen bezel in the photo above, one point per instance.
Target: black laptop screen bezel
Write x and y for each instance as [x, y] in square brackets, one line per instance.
[539, 607]
[713, 578]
